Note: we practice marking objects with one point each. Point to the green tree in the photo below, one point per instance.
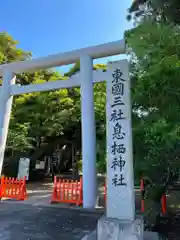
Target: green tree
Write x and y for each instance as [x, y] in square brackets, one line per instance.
[157, 10]
[154, 49]
[9, 51]
[100, 113]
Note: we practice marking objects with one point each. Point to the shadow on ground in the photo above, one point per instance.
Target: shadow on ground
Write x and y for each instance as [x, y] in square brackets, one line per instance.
[27, 222]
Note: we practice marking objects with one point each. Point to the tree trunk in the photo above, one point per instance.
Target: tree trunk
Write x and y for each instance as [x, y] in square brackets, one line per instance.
[153, 196]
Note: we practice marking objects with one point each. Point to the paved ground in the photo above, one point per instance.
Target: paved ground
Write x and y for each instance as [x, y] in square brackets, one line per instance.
[26, 222]
[36, 219]
[40, 194]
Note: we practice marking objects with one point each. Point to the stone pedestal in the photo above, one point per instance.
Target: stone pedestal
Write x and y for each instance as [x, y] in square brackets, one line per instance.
[109, 228]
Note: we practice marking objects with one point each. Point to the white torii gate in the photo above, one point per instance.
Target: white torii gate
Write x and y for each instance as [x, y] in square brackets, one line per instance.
[86, 56]
[120, 180]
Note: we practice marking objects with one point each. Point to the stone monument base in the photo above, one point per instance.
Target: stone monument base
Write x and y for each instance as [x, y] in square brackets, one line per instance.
[120, 230]
[147, 236]
[109, 228]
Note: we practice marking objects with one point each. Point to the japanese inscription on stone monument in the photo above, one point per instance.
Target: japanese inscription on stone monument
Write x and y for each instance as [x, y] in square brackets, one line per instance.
[117, 116]
[119, 142]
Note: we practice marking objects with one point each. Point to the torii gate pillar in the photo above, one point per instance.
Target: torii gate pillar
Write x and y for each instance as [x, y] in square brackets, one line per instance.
[5, 111]
[88, 132]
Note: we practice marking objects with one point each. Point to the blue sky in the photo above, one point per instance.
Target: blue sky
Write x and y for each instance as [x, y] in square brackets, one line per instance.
[50, 26]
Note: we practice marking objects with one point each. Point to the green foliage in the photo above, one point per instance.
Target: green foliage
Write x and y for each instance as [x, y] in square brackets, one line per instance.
[76, 69]
[157, 52]
[18, 139]
[157, 10]
[155, 59]
[46, 114]
[9, 51]
[154, 48]
[100, 113]
[73, 70]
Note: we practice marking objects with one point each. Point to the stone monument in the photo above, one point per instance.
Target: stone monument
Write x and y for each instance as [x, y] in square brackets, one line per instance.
[120, 221]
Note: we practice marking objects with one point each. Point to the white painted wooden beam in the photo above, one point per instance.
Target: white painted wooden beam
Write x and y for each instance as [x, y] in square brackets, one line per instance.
[99, 51]
[74, 81]
[17, 89]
